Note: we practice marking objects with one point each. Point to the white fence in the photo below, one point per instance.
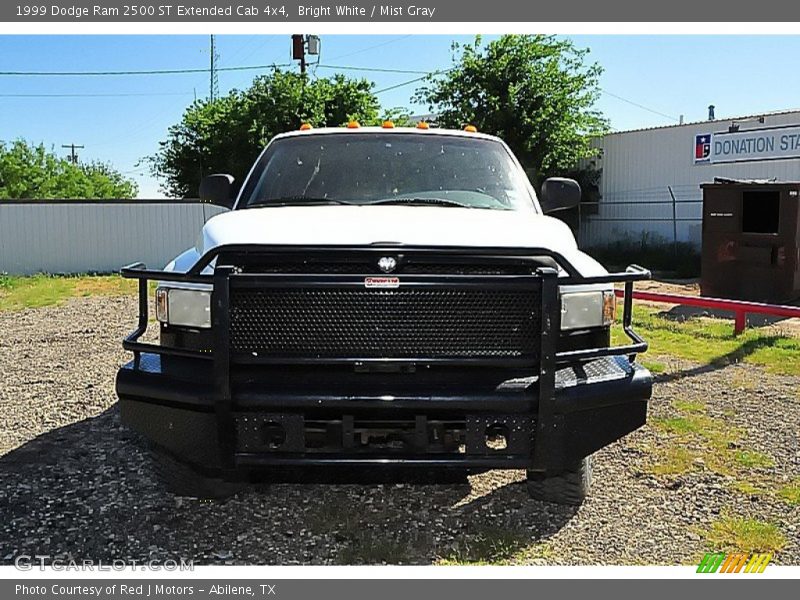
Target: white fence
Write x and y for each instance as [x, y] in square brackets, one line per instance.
[95, 236]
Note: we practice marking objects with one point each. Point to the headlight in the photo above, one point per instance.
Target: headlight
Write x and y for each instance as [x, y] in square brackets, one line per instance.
[580, 310]
[187, 308]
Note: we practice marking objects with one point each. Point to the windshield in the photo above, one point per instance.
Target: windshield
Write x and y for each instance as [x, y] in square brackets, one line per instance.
[396, 168]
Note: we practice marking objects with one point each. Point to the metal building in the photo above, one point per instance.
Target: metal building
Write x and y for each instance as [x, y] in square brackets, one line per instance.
[650, 182]
[71, 236]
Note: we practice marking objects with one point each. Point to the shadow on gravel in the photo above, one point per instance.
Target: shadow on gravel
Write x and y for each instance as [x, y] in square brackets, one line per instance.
[87, 491]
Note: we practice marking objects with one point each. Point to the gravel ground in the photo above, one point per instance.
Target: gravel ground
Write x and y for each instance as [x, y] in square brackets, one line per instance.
[74, 483]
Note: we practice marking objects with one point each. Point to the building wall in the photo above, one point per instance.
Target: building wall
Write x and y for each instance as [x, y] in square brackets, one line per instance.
[95, 236]
[638, 166]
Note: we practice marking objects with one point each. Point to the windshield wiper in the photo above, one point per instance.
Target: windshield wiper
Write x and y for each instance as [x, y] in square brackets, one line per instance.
[298, 201]
[422, 200]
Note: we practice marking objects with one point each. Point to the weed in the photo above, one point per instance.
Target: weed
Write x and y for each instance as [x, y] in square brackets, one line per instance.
[739, 534]
[654, 366]
[689, 406]
[673, 460]
[493, 546]
[790, 492]
[752, 459]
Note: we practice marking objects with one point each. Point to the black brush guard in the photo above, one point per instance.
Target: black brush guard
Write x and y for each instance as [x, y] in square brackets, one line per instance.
[229, 279]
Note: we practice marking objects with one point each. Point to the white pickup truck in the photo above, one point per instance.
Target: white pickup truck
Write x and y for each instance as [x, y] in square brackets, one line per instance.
[380, 297]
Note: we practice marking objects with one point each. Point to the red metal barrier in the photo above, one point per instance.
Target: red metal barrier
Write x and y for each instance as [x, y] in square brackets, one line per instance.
[740, 308]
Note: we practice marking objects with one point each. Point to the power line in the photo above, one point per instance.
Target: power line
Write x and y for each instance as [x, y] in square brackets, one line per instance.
[214, 69]
[410, 81]
[142, 72]
[137, 170]
[100, 95]
[259, 47]
[374, 69]
[368, 48]
[643, 107]
[399, 85]
[241, 48]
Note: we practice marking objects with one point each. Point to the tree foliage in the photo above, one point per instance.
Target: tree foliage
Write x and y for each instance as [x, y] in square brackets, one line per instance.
[536, 92]
[226, 134]
[31, 171]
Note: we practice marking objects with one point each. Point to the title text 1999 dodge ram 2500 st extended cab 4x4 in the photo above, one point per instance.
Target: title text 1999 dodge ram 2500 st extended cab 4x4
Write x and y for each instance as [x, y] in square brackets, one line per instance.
[380, 297]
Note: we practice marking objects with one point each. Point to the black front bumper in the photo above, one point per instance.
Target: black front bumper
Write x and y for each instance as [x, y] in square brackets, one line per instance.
[594, 405]
[232, 411]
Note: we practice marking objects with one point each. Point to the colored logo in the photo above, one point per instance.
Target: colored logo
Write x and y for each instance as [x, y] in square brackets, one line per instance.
[720, 562]
[382, 282]
[702, 147]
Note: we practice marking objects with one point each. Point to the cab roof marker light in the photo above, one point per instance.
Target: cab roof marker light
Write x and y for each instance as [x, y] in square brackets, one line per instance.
[387, 125]
[353, 125]
[471, 129]
[305, 127]
[423, 125]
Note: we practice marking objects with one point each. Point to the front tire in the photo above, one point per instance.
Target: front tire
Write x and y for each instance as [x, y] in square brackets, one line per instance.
[570, 486]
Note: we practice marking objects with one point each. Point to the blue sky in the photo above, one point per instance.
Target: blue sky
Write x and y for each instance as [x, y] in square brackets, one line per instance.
[671, 75]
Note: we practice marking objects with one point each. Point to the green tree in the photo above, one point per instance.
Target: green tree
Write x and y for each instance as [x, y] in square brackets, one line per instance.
[31, 171]
[227, 134]
[536, 92]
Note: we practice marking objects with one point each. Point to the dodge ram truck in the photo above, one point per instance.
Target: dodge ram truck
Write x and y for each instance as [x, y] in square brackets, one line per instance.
[381, 297]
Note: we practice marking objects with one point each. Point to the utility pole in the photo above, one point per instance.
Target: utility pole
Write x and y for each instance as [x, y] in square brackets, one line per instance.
[73, 155]
[302, 45]
[299, 51]
[213, 90]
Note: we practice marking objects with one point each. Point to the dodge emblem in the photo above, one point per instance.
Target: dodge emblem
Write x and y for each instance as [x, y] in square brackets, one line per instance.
[387, 264]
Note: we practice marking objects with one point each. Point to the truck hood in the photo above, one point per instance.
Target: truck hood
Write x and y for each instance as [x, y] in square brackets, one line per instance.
[406, 225]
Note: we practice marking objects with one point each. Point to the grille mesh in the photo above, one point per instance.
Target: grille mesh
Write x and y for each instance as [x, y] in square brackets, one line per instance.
[439, 322]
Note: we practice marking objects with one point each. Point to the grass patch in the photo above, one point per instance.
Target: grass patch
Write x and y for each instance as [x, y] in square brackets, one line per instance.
[737, 534]
[494, 547]
[689, 406]
[790, 492]
[373, 548]
[751, 459]
[654, 366]
[747, 488]
[673, 460]
[716, 433]
[696, 440]
[677, 425]
[711, 341]
[36, 291]
[745, 380]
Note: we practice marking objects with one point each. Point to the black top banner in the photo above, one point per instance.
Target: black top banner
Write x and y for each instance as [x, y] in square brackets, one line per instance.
[278, 11]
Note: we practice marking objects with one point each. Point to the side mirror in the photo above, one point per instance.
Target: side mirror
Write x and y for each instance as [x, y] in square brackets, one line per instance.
[559, 193]
[217, 189]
